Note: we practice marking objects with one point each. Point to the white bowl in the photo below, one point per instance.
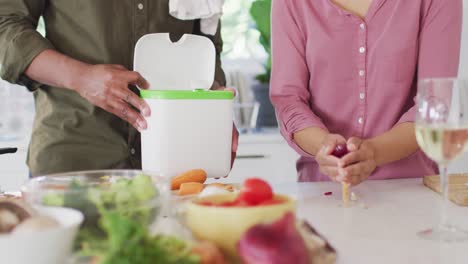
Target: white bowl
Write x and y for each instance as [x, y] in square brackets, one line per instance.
[53, 246]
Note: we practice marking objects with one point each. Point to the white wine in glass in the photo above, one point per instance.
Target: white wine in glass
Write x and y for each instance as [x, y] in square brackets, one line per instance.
[441, 144]
[442, 133]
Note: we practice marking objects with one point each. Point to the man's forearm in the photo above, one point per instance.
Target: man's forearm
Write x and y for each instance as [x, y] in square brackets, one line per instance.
[53, 68]
[396, 144]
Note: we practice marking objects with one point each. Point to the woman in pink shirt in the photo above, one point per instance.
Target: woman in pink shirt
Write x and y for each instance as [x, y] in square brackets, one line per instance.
[346, 72]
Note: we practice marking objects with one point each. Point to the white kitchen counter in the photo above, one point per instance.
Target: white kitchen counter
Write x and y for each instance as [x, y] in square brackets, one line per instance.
[385, 231]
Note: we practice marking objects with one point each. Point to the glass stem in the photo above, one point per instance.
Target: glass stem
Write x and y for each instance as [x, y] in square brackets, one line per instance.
[444, 187]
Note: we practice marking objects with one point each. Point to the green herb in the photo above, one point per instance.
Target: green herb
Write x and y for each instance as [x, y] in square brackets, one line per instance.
[129, 242]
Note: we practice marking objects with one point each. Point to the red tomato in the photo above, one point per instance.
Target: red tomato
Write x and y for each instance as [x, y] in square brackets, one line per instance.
[255, 191]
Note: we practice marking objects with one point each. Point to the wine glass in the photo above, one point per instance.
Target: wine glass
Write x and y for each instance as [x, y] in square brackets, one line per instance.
[442, 133]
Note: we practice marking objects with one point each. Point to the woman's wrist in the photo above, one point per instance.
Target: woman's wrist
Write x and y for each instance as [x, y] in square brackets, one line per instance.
[396, 144]
[310, 139]
[376, 146]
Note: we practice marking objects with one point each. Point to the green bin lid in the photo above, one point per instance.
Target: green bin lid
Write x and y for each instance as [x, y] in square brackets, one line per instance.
[198, 94]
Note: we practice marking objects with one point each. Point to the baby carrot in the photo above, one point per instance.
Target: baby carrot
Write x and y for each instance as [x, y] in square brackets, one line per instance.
[189, 176]
[189, 188]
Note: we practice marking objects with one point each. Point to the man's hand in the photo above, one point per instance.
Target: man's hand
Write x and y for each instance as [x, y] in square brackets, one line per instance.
[235, 133]
[107, 86]
[328, 163]
[358, 165]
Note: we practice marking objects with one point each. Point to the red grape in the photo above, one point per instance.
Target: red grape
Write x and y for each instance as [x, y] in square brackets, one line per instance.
[340, 150]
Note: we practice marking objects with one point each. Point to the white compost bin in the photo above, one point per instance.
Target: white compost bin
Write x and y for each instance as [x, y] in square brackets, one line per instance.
[190, 126]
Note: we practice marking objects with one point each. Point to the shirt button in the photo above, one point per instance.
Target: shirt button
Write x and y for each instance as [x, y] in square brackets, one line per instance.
[361, 120]
[362, 96]
[362, 26]
[132, 151]
[361, 73]
[362, 49]
[140, 6]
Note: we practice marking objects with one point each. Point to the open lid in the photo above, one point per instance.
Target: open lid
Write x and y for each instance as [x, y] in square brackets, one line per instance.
[187, 64]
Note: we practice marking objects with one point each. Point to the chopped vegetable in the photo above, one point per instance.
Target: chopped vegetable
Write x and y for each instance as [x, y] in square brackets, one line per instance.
[209, 253]
[190, 188]
[227, 187]
[328, 193]
[255, 191]
[54, 200]
[276, 243]
[116, 226]
[217, 184]
[129, 242]
[212, 190]
[129, 197]
[189, 176]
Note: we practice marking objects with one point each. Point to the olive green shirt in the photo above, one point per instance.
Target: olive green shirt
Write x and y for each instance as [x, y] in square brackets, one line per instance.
[69, 133]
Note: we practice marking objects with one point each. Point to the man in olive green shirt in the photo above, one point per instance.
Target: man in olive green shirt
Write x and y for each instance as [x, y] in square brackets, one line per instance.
[87, 116]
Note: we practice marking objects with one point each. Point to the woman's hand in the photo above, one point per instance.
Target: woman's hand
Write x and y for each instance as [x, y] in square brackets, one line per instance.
[328, 164]
[358, 165]
[107, 86]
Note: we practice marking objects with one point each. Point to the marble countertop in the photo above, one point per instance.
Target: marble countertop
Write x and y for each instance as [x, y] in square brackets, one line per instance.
[381, 227]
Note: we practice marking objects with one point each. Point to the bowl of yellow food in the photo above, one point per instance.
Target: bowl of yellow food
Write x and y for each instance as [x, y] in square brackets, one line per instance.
[224, 218]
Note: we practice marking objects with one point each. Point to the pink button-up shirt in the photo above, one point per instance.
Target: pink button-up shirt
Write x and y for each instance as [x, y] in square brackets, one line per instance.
[357, 77]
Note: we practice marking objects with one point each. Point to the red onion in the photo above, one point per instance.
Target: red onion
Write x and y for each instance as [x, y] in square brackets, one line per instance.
[276, 243]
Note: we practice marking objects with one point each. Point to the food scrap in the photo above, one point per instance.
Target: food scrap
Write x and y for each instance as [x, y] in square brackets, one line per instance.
[197, 175]
[212, 190]
[209, 253]
[227, 187]
[328, 193]
[254, 192]
[190, 188]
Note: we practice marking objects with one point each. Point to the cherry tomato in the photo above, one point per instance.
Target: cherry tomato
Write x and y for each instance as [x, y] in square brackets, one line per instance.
[255, 191]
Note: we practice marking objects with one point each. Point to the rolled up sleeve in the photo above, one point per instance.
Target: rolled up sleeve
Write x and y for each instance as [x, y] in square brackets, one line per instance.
[289, 89]
[439, 46]
[19, 39]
